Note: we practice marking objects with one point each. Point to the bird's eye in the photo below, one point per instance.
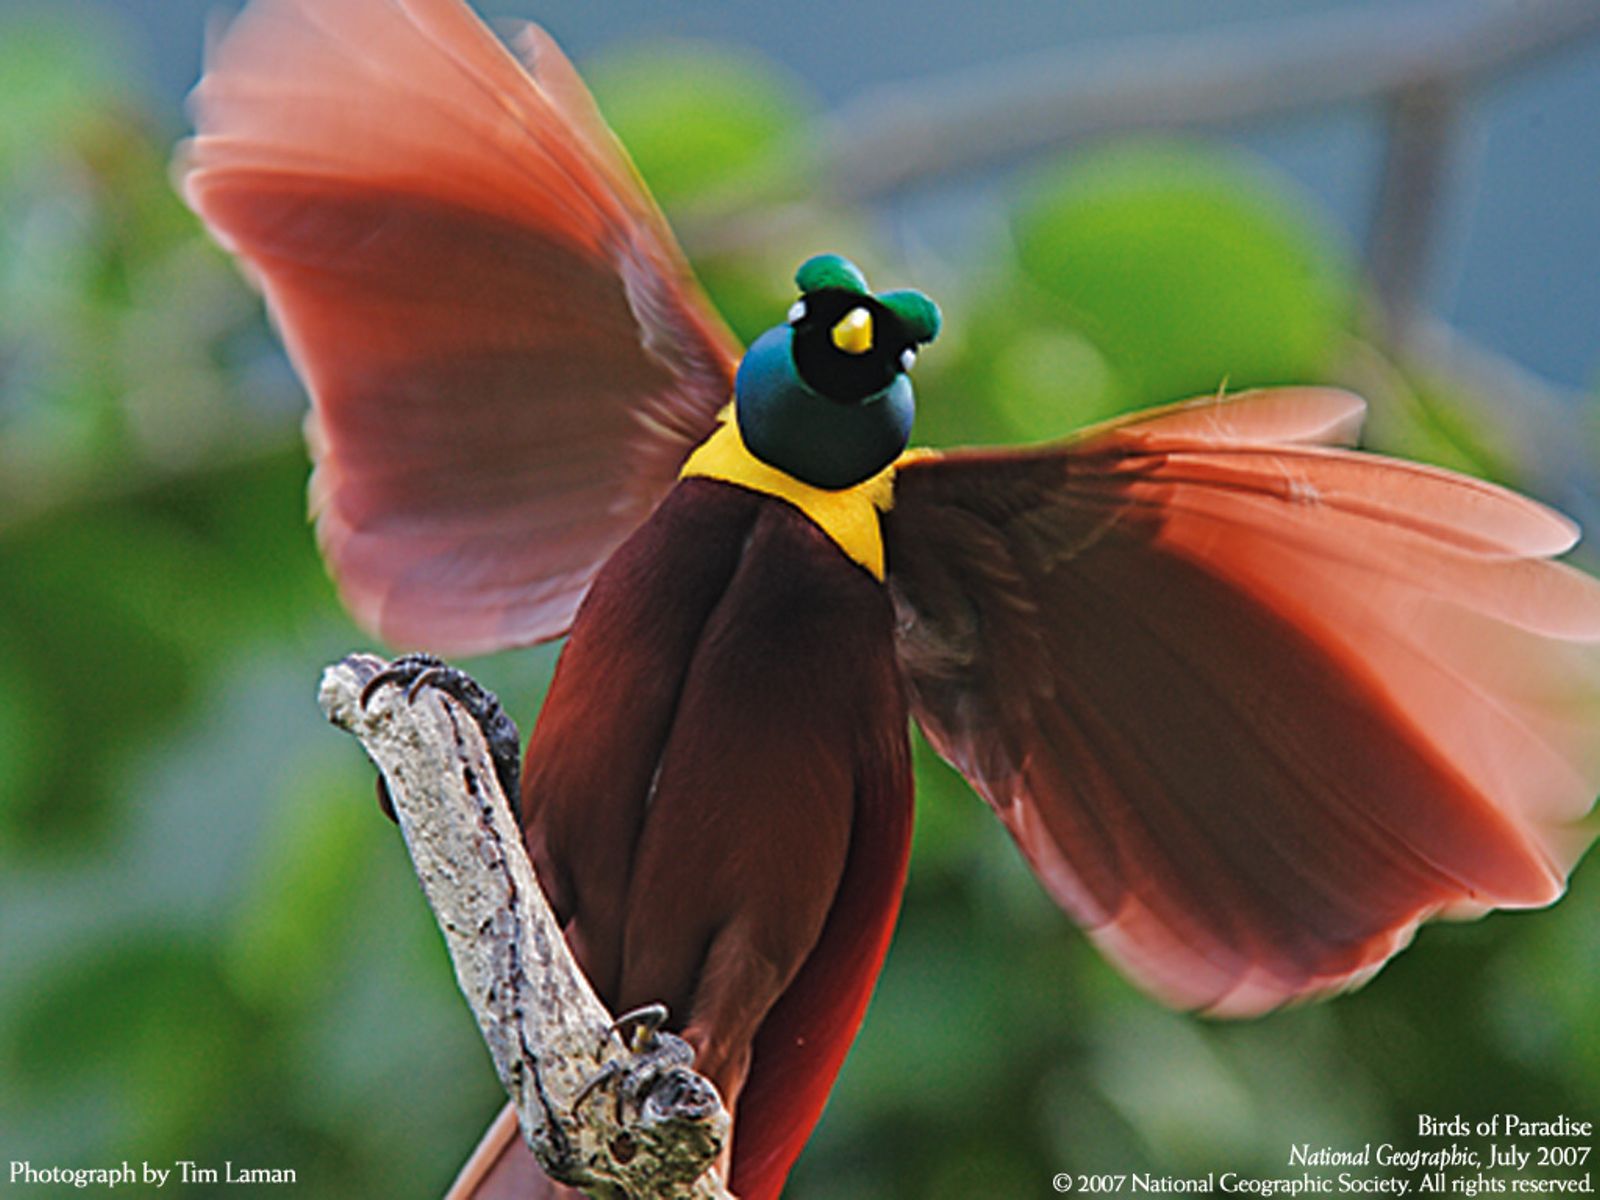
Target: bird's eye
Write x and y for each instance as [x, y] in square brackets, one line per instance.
[797, 312]
[908, 359]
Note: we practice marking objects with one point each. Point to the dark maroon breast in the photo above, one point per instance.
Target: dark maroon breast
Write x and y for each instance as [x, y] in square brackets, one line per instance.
[717, 797]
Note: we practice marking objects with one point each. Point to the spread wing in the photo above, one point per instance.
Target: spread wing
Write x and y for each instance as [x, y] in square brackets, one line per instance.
[507, 356]
[1253, 706]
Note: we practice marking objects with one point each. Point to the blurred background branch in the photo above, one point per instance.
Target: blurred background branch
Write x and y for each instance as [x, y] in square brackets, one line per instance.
[897, 136]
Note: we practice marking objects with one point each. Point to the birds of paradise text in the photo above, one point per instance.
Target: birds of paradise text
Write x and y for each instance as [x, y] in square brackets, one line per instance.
[1503, 1153]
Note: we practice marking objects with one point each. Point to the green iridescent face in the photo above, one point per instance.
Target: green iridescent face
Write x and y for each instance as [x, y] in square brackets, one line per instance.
[826, 397]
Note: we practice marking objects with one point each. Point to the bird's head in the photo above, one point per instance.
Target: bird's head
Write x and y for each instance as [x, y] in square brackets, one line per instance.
[825, 397]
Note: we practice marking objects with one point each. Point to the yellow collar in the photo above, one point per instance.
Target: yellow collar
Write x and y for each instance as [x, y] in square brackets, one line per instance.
[849, 516]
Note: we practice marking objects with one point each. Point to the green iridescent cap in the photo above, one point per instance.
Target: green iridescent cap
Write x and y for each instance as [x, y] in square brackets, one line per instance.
[921, 315]
[823, 272]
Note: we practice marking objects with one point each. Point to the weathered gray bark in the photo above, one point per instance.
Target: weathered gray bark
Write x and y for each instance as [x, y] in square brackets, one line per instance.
[549, 1035]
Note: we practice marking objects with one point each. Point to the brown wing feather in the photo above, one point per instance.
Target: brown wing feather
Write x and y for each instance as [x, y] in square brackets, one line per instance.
[1253, 707]
[507, 355]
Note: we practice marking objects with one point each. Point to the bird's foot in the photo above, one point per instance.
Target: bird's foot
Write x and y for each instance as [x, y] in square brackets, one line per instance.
[657, 1077]
[413, 672]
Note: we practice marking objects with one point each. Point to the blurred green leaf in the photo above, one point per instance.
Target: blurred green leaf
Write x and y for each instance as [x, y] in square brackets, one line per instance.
[732, 126]
[1012, 371]
[1188, 267]
[1160, 1073]
[23, 748]
[79, 602]
[56, 73]
[294, 912]
[148, 1022]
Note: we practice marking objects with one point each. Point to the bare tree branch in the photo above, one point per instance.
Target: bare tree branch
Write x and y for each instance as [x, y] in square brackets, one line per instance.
[550, 1037]
[1411, 194]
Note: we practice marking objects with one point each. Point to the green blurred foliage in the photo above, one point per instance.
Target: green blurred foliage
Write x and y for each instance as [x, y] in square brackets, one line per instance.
[730, 129]
[212, 945]
[1190, 269]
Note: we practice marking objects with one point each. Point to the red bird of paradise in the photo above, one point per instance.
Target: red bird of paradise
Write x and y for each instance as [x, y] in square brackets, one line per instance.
[1253, 705]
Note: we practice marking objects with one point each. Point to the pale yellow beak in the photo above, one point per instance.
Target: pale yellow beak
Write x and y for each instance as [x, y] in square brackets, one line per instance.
[853, 333]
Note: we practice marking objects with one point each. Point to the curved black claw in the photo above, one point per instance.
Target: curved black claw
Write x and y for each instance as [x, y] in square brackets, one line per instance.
[417, 671]
[638, 1027]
